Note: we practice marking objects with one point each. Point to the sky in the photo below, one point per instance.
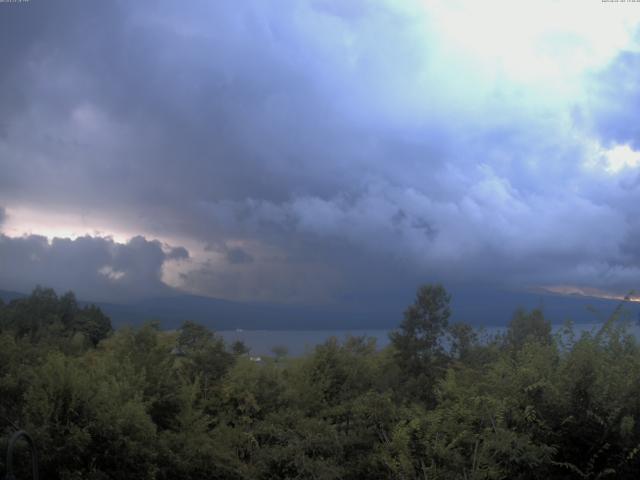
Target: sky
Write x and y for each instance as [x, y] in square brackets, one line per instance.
[319, 151]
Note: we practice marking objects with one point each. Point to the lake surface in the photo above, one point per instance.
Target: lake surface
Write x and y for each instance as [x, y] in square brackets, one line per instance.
[299, 342]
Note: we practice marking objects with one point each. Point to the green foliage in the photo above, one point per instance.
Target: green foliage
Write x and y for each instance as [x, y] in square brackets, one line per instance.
[418, 342]
[463, 339]
[441, 402]
[280, 352]
[528, 327]
[44, 318]
[88, 421]
[239, 348]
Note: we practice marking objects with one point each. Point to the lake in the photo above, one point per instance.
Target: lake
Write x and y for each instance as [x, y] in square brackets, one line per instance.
[299, 342]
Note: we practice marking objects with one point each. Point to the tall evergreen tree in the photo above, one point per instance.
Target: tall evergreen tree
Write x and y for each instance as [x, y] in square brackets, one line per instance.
[418, 342]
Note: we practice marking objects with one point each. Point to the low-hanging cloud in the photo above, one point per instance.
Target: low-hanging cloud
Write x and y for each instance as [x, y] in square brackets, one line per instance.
[96, 268]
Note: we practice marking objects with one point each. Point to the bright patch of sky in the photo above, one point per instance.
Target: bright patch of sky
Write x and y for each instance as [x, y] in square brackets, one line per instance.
[51, 224]
[548, 42]
[621, 157]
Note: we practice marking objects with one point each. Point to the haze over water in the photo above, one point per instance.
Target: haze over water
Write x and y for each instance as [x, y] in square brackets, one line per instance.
[261, 342]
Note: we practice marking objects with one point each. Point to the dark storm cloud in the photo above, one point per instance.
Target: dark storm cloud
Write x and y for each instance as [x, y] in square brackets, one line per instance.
[96, 268]
[156, 107]
[234, 255]
[316, 145]
[238, 256]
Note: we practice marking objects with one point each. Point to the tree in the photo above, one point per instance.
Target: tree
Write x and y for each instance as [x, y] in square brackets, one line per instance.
[417, 342]
[193, 337]
[33, 315]
[239, 348]
[525, 327]
[205, 353]
[89, 420]
[280, 351]
[463, 338]
[68, 308]
[92, 323]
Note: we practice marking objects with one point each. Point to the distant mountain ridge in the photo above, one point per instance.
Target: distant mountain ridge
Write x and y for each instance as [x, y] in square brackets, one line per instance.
[476, 307]
[228, 315]
[7, 296]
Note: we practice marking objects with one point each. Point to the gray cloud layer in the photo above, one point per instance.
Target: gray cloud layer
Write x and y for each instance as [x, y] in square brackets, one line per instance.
[315, 145]
[95, 268]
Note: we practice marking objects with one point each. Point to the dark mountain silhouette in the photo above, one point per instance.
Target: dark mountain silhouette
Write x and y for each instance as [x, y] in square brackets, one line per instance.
[474, 306]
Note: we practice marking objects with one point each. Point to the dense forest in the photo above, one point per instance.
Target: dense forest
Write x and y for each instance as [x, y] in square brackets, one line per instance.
[441, 402]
